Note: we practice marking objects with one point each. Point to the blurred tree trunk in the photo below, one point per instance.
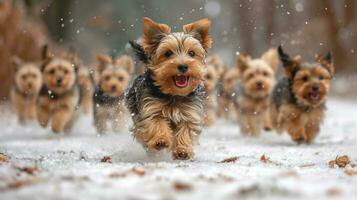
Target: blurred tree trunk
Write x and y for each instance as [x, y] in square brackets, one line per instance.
[269, 15]
[246, 26]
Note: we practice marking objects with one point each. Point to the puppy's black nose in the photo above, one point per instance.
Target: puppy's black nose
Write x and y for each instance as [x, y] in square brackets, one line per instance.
[182, 68]
[315, 88]
[114, 87]
[259, 84]
[59, 81]
[30, 85]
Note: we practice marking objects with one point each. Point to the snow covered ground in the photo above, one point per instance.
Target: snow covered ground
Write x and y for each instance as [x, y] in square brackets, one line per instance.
[44, 166]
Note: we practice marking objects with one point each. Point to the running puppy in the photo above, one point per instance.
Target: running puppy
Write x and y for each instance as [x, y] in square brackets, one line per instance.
[167, 101]
[256, 82]
[25, 90]
[298, 103]
[59, 96]
[113, 76]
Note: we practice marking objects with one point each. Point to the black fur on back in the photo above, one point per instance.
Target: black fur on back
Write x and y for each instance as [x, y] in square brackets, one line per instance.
[139, 51]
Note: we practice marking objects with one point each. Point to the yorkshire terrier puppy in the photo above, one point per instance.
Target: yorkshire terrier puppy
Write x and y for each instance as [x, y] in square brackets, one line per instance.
[210, 101]
[59, 95]
[167, 101]
[226, 93]
[256, 82]
[24, 93]
[86, 85]
[113, 76]
[299, 98]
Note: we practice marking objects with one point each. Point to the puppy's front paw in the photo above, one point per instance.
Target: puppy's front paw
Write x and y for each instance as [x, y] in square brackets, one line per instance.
[182, 154]
[159, 144]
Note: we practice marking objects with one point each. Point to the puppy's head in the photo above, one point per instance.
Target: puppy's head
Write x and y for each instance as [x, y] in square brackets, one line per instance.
[229, 79]
[59, 73]
[177, 60]
[310, 81]
[27, 77]
[218, 64]
[114, 75]
[211, 79]
[257, 76]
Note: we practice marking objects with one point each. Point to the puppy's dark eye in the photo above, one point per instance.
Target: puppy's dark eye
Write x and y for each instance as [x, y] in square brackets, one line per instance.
[23, 77]
[191, 53]
[106, 78]
[321, 77]
[208, 77]
[250, 76]
[265, 74]
[65, 71]
[168, 54]
[34, 76]
[52, 71]
[120, 78]
[305, 78]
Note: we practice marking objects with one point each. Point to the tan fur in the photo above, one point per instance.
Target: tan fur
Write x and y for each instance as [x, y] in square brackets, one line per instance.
[25, 91]
[226, 96]
[85, 83]
[210, 103]
[257, 79]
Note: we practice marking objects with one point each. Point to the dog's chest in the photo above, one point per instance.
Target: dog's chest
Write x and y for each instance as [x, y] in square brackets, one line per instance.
[248, 105]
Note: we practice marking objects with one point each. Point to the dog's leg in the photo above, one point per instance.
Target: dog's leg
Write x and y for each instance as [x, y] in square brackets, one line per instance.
[100, 119]
[184, 139]
[266, 120]
[155, 134]
[249, 124]
[61, 118]
[312, 130]
[31, 114]
[43, 112]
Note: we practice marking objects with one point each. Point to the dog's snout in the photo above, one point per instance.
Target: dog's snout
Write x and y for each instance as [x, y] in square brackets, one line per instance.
[114, 87]
[259, 84]
[315, 88]
[30, 85]
[183, 68]
[59, 81]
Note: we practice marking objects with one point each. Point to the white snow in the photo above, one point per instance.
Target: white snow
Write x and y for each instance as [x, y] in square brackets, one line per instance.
[69, 167]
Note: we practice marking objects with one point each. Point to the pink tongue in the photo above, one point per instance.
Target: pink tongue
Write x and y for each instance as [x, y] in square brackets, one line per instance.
[181, 81]
[314, 96]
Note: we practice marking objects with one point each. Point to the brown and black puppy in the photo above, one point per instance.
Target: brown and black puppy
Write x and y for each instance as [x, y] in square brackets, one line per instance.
[167, 101]
[256, 82]
[59, 96]
[298, 103]
[113, 76]
[25, 90]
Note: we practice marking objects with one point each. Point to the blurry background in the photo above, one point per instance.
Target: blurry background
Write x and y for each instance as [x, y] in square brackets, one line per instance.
[302, 26]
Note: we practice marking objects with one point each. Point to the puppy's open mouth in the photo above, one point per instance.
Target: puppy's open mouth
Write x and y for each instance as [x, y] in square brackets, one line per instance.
[181, 81]
[314, 96]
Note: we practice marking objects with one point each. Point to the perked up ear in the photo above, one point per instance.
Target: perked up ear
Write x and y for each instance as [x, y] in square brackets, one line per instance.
[153, 33]
[126, 62]
[290, 65]
[200, 30]
[103, 61]
[17, 62]
[46, 57]
[327, 62]
[271, 57]
[242, 62]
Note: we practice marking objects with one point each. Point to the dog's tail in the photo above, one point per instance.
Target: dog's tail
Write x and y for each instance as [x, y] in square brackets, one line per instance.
[139, 51]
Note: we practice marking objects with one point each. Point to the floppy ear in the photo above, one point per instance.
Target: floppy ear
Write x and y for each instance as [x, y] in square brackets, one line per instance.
[327, 62]
[153, 33]
[103, 61]
[271, 57]
[126, 62]
[242, 62]
[17, 62]
[200, 30]
[290, 65]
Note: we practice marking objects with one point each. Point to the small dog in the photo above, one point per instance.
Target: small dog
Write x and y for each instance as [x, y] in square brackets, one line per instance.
[298, 102]
[113, 77]
[226, 94]
[59, 96]
[167, 101]
[25, 90]
[210, 102]
[256, 82]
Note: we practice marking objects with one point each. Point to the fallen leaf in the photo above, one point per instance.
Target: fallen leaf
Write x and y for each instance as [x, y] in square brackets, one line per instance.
[340, 161]
[307, 165]
[117, 175]
[106, 159]
[138, 171]
[264, 158]
[334, 192]
[351, 172]
[28, 170]
[229, 160]
[180, 186]
[3, 158]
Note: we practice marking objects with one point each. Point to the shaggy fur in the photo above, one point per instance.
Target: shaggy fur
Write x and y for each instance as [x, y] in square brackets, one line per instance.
[167, 101]
[210, 102]
[299, 98]
[257, 79]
